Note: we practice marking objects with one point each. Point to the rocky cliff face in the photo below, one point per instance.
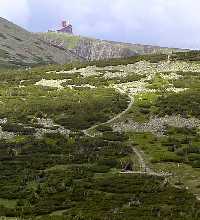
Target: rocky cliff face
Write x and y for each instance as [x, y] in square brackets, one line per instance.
[94, 49]
[98, 50]
[19, 47]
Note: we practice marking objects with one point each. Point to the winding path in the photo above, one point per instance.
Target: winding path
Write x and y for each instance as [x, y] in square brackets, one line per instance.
[144, 168]
[87, 131]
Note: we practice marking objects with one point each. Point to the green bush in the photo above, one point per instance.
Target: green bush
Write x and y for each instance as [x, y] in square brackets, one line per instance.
[104, 128]
[110, 163]
[186, 104]
[100, 168]
[196, 163]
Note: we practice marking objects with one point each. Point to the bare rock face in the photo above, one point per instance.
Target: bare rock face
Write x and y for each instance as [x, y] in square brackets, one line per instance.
[99, 50]
[19, 47]
[93, 49]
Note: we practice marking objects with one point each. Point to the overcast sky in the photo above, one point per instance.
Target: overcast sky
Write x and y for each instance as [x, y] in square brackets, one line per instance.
[173, 23]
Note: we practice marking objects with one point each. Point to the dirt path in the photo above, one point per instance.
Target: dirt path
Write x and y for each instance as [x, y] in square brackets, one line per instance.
[144, 169]
[87, 131]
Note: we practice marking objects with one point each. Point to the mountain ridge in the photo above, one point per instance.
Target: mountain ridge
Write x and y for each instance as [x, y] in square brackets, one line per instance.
[96, 49]
[19, 47]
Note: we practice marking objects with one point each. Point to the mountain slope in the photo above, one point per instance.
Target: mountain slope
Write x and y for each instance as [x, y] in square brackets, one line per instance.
[20, 47]
[104, 141]
[94, 49]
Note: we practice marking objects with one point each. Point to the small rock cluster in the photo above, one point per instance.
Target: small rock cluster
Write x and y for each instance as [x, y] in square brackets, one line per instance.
[176, 90]
[170, 76]
[90, 71]
[49, 128]
[40, 132]
[45, 122]
[81, 86]
[58, 84]
[3, 121]
[51, 83]
[4, 134]
[157, 125]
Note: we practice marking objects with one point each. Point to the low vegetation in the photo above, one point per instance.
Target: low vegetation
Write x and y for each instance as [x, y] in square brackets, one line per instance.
[186, 104]
[74, 175]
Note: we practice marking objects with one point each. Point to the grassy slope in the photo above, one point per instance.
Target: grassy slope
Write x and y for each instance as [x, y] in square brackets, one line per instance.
[70, 41]
[19, 47]
[79, 175]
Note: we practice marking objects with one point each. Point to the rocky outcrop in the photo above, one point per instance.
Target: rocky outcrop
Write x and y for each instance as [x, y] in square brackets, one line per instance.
[157, 125]
[99, 50]
[93, 49]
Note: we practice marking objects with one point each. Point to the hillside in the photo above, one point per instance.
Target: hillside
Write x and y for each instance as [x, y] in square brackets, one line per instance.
[19, 47]
[116, 139]
[94, 138]
[94, 49]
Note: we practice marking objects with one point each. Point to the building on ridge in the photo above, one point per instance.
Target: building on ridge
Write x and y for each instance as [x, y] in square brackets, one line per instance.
[66, 28]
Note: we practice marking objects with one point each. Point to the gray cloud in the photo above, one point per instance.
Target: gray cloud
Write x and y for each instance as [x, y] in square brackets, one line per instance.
[160, 22]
